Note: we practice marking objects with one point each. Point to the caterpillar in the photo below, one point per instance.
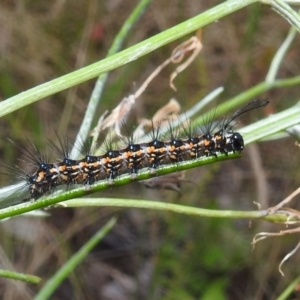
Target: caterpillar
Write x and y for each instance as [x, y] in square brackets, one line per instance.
[131, 158]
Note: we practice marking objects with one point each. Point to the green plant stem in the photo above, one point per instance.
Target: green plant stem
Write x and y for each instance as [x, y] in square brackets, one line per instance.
[56, 280]
[97, 91]
[163, 206]
[271, 125]
[285, 11]
[275, 64]
[288, 291]
[121, 58]
[104, 184]
[251, 93]
[181, 209]
[19, 276]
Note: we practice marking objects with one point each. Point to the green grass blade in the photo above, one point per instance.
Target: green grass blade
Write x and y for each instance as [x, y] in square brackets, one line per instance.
[52, 284]
[20, 276]
[271, 125]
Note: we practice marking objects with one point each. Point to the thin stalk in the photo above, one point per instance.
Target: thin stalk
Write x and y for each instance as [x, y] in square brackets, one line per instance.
[271, 125]
[290, 289]
[250, 94]
[20, 276]
[57, 279]
[282, 8]
[98, 89]
[181, 209]
[280, 55]
[104, 184]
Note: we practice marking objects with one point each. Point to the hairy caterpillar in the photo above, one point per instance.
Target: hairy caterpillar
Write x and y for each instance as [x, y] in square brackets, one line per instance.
[131, 158]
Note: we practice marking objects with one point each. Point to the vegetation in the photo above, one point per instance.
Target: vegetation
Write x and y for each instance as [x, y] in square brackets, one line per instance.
[181, 245]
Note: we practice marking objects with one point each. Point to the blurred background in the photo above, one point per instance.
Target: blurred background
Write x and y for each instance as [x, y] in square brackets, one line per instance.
[149, 254]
